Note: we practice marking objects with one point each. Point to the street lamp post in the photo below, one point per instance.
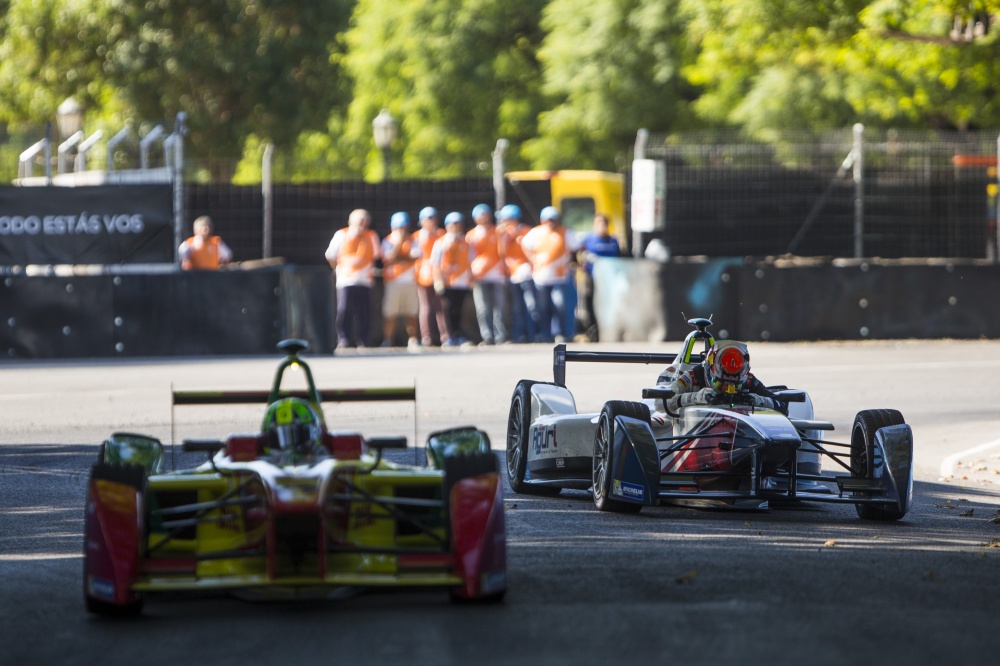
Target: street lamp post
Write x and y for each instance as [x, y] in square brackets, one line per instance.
[384, 127]
[69, 116]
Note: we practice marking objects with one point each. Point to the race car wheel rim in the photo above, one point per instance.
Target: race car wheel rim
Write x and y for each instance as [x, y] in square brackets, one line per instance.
[514, 437]
[600, 476]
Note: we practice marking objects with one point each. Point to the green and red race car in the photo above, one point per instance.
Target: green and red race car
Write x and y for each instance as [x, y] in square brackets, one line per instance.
[295, 509]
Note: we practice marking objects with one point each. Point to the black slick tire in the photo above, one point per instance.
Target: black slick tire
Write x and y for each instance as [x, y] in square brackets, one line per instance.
[518, 426]
[604, 439]
[863, 457]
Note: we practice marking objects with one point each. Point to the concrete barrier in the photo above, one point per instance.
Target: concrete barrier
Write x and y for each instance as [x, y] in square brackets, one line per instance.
[248, 311]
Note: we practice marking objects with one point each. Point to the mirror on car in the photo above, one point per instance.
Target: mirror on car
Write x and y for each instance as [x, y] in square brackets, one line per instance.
[379, 443]
[657, 393]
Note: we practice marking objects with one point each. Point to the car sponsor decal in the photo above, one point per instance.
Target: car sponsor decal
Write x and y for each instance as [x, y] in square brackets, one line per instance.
[560, 463]
[100, 587]
[543, 438]
[624, 489]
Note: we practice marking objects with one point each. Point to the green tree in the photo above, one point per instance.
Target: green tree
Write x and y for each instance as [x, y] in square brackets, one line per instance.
[610, 67]
[457, 74]
[927, 64]
[767, 64]
[236, 67]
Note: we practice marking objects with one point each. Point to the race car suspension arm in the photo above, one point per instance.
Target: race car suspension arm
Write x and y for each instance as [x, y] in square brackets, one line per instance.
[820, 445]
[207, 508]
[389, 504]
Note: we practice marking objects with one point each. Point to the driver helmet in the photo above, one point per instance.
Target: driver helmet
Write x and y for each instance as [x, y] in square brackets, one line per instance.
[727, 366]
[293, 424]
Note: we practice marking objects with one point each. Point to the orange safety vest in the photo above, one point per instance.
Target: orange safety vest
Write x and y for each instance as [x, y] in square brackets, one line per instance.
[204, 258]
[455, 261]
[424, 269]
[550, 249]
[513, 253]
[486, 248]
[402, 263]
[362, 248]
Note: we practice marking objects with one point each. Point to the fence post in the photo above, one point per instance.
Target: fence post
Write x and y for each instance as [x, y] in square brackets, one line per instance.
[178, 177]
[859, 191]
[639, 153]
[266, 191]
[499, 186]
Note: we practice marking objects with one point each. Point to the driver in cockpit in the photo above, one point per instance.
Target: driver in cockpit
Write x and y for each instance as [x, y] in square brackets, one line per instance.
[722, 378]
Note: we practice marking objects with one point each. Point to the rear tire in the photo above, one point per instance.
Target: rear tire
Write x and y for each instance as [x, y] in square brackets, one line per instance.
[864, 460]
[603, 442]
[518, 426]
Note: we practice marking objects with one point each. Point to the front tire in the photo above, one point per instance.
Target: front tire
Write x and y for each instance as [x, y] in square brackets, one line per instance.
[865, 459]
[133, 476]
[518, 427]
[603, 443]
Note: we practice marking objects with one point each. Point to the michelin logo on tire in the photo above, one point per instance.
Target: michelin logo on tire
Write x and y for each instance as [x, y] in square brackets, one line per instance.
[629, 490]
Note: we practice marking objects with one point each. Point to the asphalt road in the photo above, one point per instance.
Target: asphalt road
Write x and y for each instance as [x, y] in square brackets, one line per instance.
[813, 585]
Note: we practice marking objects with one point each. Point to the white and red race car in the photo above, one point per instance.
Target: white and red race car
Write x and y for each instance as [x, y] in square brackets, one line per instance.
[721, 455]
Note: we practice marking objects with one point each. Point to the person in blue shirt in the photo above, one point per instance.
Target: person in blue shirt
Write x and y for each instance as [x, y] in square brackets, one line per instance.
[598, 243]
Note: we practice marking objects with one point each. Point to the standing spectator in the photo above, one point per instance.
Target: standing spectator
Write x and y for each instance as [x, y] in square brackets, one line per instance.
[433, 327]
[352, 254]
[523, 302]
[550, 248]
[399, 255]
[489, 290]
[598, 243]
[203, 251]
[451, 259]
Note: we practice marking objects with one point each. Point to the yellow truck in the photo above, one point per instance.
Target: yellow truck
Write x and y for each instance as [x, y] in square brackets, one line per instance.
[578, 194]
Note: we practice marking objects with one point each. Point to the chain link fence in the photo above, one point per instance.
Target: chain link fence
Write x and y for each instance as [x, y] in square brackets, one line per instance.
[917, 193]
[912, 194]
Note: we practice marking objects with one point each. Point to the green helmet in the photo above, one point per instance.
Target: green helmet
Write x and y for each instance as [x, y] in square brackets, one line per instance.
[294, 423]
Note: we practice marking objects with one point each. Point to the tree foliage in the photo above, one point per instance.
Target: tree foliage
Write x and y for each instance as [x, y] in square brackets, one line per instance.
[567, 83]
[610, 67]
[458, 74]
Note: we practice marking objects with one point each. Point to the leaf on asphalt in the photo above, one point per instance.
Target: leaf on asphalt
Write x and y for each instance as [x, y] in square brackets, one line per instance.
[512, 506]
[994, 519]
[966, 514]
[992, 543]
[928, 575]
[946, 506]
[830, 542]
[686, 577]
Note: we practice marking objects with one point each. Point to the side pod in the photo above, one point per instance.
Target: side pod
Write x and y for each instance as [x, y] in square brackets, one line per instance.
[895, 474]
[635, 463]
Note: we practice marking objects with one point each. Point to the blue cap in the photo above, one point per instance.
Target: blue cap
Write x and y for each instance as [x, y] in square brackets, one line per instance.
[399, 219]
[510, 212]
[481, 209]
[549, 213]
[453, 217]
[429, 211]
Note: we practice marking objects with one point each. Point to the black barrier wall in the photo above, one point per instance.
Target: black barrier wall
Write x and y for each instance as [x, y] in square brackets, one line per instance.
[173, 314]
[248, 312]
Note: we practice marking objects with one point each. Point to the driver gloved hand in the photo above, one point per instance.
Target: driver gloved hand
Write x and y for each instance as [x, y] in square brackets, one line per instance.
[703, 397]
[761, 401]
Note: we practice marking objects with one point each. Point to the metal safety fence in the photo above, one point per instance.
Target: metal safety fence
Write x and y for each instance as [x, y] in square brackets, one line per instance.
[872, 193]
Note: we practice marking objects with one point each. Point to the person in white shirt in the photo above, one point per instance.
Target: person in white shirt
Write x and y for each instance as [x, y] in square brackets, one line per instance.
[399, 298]
[550, 247]
[352, 254]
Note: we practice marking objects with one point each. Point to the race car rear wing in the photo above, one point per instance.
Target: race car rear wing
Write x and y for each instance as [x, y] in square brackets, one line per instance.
[561, 356]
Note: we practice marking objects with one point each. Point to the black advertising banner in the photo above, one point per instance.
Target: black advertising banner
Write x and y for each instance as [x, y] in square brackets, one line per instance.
[102, 224]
